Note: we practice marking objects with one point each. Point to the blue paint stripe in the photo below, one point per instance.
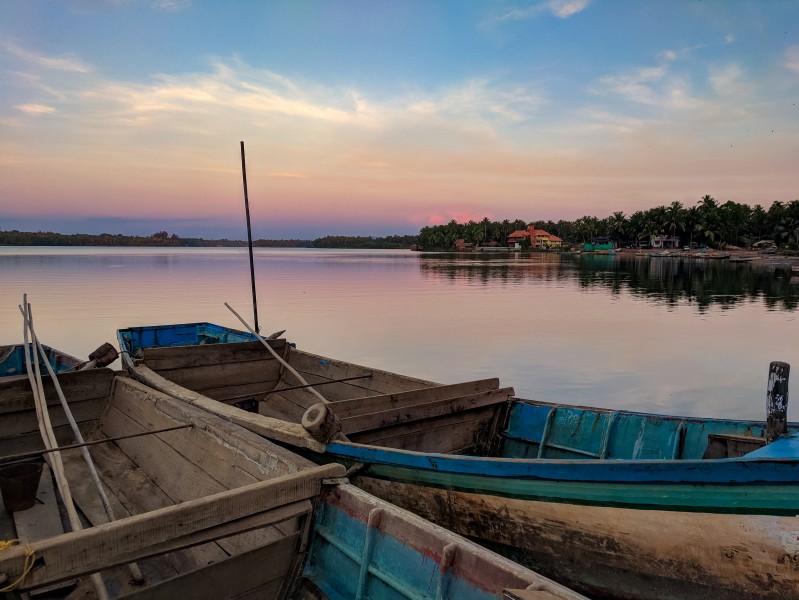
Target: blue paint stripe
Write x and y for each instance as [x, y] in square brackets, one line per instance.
[731, 471]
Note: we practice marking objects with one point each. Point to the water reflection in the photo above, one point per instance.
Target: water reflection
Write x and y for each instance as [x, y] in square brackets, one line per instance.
[667, 281]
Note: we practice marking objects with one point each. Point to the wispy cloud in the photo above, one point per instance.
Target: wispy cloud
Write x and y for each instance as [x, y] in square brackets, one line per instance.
[792, 59]
[562, 9]
[35, 109]
[567, 8]
[652, 86]
[171, 5]
[728, 80]
[56, 63]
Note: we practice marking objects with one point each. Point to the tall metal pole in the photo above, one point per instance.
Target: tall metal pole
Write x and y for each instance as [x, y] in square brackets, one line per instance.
[249, 237]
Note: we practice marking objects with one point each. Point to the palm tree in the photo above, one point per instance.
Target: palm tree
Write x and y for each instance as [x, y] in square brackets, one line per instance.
[617, 225]
[708, 221]
[674, 218]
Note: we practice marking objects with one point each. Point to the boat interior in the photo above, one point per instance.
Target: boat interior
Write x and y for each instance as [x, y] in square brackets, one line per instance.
[196, 509]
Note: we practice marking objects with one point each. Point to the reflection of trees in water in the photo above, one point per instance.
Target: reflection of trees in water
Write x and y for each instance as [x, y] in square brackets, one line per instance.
[505, 268]
[663, 280]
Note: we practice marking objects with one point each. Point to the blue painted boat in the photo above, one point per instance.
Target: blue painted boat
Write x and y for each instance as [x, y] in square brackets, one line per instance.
[12, 360]
[614, 503]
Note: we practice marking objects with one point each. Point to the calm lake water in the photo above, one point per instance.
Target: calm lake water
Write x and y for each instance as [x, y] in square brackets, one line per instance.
[652, 334]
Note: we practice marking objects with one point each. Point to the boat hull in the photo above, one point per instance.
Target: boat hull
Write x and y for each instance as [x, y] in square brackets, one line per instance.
[363, 547]
[620, 553]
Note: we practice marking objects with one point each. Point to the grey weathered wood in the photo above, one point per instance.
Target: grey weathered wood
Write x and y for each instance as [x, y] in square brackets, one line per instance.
[370, 404]
[777, 400]
[236, 392]
[383, 382]
[27, 442]
[262, 568]
[126, 540]
[321, 422]
[289, 407]
[210, 354]
[95, 383]
[223, 374]
[42, 520]
[428, 410]
[22, 422]
[447, 434]
[291, 433]
[133, 493]
[720, 445]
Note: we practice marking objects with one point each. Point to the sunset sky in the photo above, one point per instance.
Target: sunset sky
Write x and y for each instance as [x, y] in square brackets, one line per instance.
[380, 117]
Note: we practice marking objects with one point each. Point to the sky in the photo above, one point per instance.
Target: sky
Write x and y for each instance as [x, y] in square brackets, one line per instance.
[374, 118]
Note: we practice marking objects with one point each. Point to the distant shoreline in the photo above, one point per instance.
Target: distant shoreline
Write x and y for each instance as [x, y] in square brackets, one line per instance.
[163, 239]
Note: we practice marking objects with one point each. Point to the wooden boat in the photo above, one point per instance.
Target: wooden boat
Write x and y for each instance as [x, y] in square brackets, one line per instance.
[197, 507]
[613, 503]
[12, 360]
[215, 511]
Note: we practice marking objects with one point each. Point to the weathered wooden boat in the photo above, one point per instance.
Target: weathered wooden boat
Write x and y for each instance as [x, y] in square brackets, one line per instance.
[12, 360]
[215, 511]
[197, 507]
[614, 503]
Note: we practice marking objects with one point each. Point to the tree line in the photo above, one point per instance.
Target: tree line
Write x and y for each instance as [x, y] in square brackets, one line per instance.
[709, 222]
[164, 239]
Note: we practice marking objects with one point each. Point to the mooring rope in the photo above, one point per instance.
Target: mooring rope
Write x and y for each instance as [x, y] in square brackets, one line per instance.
[30, 558]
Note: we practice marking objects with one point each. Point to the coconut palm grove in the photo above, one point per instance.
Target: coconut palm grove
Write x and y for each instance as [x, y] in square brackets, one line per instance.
[709, 222]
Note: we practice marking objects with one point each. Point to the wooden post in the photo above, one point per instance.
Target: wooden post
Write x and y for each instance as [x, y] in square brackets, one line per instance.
[777, 400]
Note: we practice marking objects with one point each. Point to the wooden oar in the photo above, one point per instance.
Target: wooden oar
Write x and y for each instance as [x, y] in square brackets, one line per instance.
[48, 437]
[109, 511]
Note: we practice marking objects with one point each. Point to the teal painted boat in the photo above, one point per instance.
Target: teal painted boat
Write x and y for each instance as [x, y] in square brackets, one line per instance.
[614, 503]
[12, 360]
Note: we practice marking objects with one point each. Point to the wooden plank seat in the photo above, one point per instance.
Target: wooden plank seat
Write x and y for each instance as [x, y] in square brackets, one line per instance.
[445, 418]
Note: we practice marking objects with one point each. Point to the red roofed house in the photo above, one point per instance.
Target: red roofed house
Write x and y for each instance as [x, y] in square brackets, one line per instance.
[539, 238]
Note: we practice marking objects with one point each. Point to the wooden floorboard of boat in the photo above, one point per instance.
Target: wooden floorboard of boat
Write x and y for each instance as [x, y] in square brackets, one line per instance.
[130, 492]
